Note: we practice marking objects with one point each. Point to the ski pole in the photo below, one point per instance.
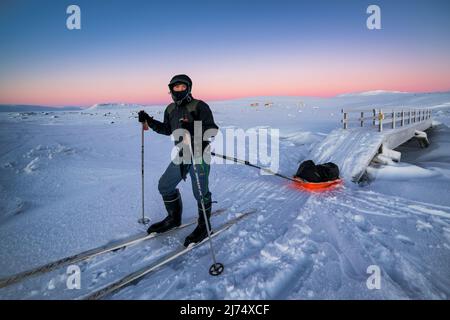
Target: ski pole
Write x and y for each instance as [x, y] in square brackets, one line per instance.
[252, 165]
[217, 267]
[143, 220]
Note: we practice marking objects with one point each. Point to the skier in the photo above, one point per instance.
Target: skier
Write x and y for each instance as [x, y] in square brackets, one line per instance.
[181, 114]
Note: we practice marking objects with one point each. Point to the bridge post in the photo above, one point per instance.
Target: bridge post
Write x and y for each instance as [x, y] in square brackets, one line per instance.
[403, 118]
[344, 119]
[423, 138]
[380, 121]
[374, 117]
[362, 119]
[393, 119]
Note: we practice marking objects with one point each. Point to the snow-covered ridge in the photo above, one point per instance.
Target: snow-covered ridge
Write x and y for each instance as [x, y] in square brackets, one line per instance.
[109, 106]
[372, 93]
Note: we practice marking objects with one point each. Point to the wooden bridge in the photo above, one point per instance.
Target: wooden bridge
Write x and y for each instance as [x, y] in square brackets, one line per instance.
[374, 132]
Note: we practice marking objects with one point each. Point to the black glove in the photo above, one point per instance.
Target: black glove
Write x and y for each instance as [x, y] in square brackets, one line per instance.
[144, 117]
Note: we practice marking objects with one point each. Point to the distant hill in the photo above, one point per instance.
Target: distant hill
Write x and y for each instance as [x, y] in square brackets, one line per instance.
[114, 106]
[29, 108]
[372, 93]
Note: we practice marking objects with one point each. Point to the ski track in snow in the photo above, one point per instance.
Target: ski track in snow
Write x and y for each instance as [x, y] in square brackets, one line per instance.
[70, 194]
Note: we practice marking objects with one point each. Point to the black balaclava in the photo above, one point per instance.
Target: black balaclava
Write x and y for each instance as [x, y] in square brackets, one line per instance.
[179, 96]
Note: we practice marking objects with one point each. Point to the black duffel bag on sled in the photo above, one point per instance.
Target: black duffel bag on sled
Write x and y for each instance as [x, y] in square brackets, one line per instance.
[311, 172]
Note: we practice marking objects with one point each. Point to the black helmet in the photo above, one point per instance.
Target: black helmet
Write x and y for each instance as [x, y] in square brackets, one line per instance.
[180, 78]
[179, 96]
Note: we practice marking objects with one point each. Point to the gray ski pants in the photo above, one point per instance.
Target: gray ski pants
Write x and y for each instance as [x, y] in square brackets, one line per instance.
[173, 175]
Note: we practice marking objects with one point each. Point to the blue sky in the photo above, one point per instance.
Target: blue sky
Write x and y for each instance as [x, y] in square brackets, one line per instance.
[129, 49]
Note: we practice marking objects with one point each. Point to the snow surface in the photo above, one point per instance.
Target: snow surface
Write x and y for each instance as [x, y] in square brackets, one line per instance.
[32, 108]
[70, 181]
[351, 149]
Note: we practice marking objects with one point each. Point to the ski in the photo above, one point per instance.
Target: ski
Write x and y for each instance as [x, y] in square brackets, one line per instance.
[160, 262]
[116, 245]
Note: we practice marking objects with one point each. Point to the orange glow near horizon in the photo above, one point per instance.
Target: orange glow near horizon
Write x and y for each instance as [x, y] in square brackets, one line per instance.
[307, 78]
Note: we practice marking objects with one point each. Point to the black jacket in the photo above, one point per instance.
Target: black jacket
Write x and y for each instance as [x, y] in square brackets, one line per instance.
[174, 113]
[172, 116]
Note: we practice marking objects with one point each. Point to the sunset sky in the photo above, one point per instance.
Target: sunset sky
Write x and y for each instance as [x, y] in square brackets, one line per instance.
[127, 51]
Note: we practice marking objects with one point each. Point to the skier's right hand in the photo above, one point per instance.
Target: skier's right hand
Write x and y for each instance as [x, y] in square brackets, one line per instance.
[144, 117]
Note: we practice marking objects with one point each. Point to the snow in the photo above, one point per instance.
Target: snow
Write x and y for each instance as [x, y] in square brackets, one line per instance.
[34, 108]
[70, 181]
[372, 93]
[114, 106]
[352, 150]
[402, 171]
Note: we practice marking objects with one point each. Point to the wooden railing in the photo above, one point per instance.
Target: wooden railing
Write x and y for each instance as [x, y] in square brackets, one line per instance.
[379, 117]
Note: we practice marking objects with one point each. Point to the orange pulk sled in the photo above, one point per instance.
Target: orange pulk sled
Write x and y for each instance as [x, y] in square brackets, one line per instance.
[298, 182]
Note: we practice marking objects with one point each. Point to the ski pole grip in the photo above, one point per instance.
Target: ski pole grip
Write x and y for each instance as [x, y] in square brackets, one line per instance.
[144, 123]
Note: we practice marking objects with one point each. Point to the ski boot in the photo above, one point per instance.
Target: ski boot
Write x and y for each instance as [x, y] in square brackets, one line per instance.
[174, 208]
[200, 232]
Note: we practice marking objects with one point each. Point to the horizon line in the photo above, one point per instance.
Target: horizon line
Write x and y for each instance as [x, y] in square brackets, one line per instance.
[158, 103]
